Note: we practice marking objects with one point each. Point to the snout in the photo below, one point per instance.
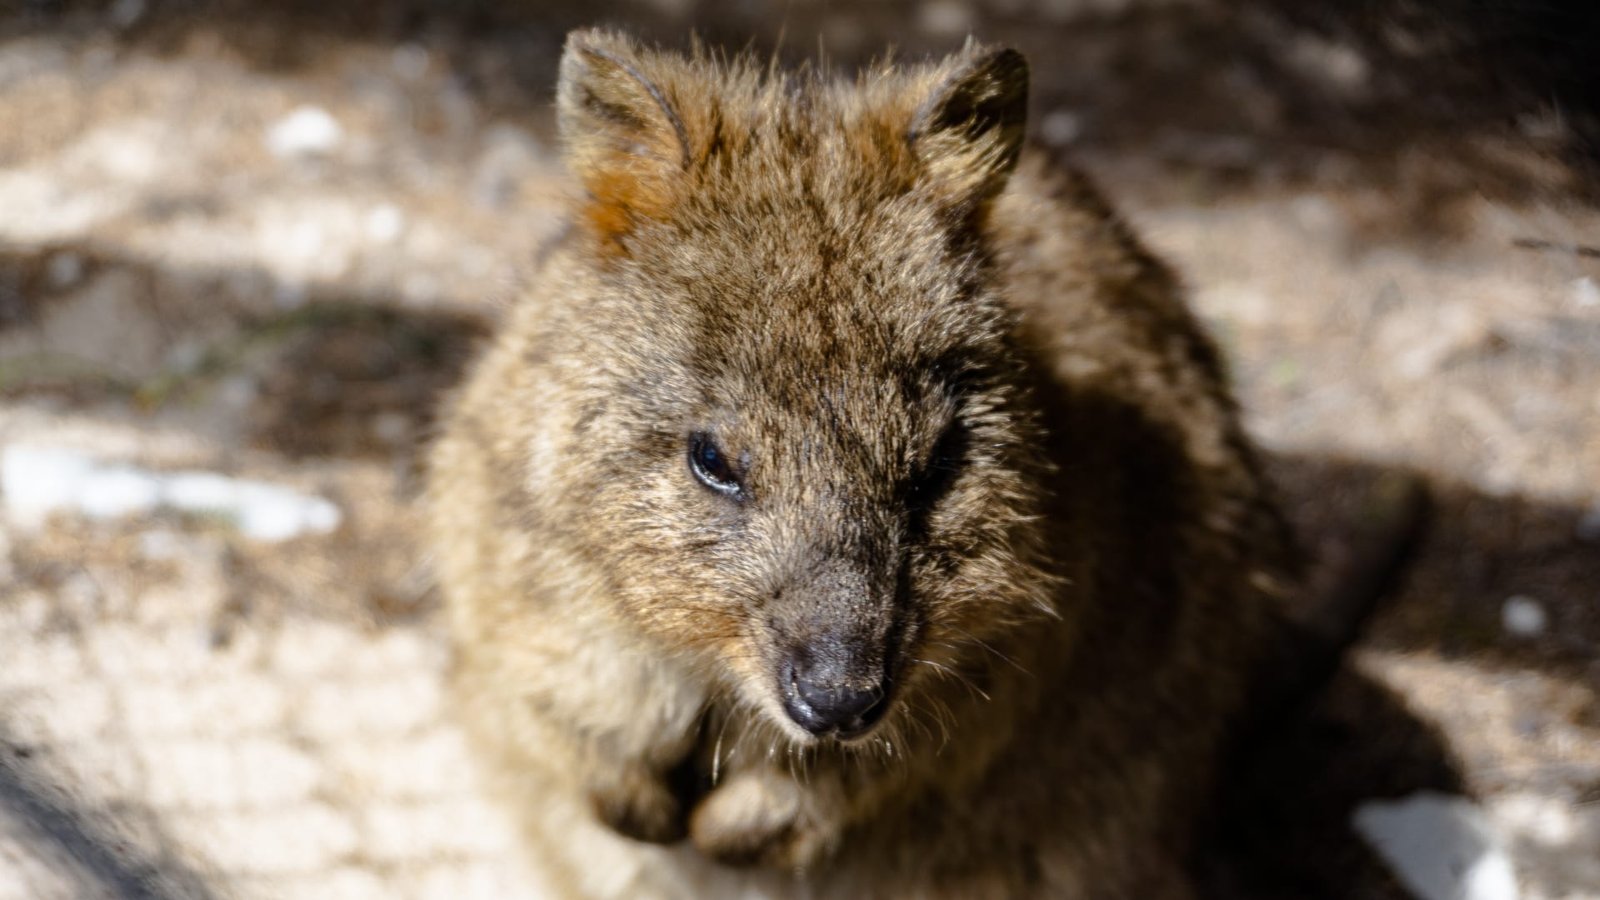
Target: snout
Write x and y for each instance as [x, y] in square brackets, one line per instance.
[832, 695]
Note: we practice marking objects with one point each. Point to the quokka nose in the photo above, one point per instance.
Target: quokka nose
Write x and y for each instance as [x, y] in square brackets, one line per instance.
[819, 700]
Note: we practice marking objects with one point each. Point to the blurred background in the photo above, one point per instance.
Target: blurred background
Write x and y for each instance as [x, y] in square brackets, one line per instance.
[244, 247]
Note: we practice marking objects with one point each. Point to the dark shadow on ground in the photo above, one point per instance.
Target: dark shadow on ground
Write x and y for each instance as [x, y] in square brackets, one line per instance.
[357, 380]
[1282, 818]
[84, 854]
[1281, 823]
[1479, 551]
[334, 374]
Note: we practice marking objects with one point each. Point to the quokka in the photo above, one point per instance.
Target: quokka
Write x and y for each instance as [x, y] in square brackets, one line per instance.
[850, 506]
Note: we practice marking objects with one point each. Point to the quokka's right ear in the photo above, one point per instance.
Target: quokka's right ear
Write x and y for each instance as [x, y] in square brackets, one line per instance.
[968, 131]
[625, 141]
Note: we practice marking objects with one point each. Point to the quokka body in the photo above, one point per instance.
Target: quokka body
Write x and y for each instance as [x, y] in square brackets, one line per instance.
[849, 507]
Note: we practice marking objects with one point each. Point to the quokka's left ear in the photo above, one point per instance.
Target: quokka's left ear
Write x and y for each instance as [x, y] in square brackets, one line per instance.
[625, 141]
[967, 132]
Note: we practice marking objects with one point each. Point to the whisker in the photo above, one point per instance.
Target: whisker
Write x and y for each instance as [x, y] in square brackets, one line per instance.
[987, 646]
[957, 675]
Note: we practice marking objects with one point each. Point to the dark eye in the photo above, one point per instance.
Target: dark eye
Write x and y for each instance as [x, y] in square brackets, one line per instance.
[712, 466]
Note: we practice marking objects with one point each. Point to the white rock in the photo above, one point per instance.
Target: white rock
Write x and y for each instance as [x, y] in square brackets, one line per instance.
[1524, 616]
[201, 492]
[37, 481]
[307, 131]
[1441, 847]
[268, 514]
[117, 492]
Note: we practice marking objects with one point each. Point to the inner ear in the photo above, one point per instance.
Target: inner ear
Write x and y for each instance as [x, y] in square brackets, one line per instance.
[625, 140]
[604, 94]
[968, 131]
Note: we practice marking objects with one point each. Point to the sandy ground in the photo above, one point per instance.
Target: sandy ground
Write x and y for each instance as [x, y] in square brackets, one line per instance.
[263, 244]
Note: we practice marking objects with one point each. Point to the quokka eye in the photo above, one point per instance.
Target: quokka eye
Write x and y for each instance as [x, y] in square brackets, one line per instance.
[713, 467]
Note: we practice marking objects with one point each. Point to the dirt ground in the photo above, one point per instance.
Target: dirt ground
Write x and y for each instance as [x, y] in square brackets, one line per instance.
[259, 240]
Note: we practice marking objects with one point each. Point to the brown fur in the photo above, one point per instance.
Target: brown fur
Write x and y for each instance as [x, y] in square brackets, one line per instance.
[984, 448]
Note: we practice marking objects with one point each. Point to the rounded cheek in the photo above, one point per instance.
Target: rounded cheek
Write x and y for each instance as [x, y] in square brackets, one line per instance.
[744, 662]
[747, 665]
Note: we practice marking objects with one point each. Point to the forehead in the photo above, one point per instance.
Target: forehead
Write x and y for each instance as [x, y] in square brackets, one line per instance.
[804, 274]
[824, 339]
[849, 284]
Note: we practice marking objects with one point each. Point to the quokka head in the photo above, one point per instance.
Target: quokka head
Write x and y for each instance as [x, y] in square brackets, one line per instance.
[806, 454]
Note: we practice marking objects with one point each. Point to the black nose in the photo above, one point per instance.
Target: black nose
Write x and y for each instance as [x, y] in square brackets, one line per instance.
[822, 697]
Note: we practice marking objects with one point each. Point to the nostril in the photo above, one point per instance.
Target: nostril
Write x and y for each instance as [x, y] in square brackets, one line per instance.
[821, 704]
[795, 704]
[841, 704]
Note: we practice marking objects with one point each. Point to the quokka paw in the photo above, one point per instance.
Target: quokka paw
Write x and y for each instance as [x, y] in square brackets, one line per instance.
[646, 808]
[756, 819]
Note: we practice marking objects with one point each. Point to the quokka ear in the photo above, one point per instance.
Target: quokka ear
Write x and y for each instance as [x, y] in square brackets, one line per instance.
[625, 142]
[968, 132]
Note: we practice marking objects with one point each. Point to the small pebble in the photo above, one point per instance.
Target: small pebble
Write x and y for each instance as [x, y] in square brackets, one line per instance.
[409, 61]
[384, 223]
[160, 545]
[186, 356]
[951, 18]
[1585, 293]
[308, 131]
[65, 269]
[289, 295]
[1061, 127]
[1523, 616]
[125, 13]
[392, 428]
[237, 392]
